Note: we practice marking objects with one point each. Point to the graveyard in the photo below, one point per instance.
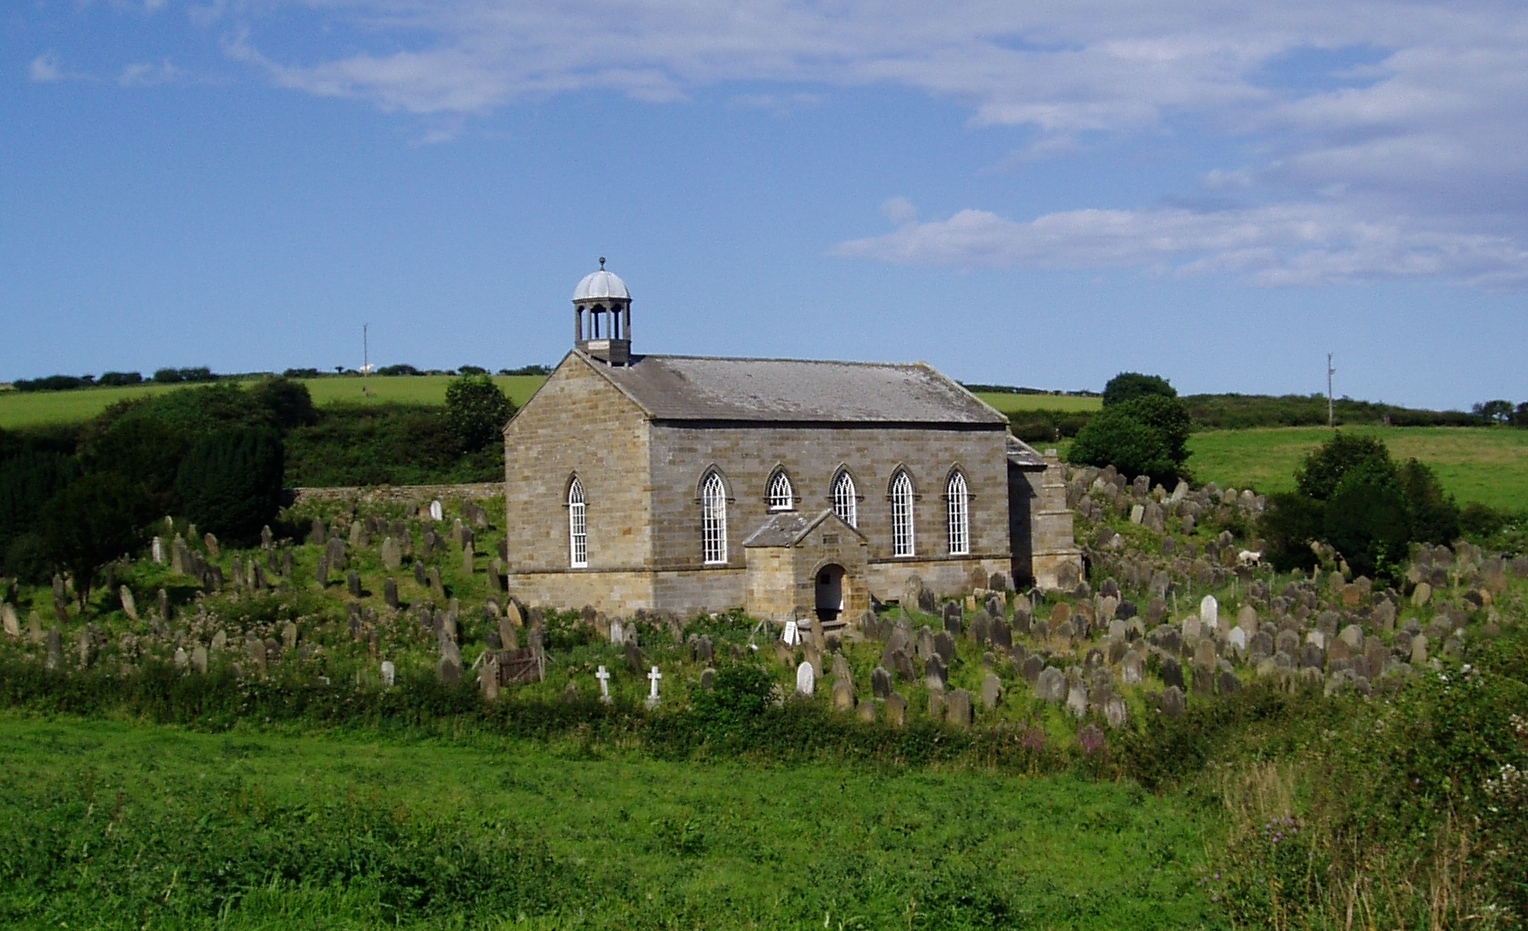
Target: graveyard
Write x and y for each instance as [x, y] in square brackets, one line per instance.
[1131, 752]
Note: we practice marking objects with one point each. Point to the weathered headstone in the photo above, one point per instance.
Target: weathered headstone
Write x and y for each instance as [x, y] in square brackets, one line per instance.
[880, 682]
[1077, 700]
[843, 695]
[211, 543]
[55, 655]
[199, 659]
[1173, 701]
[806, 679]
[992, 690]
[392, 554]
[1116, 713]
[896, 710]
[388, 673]
[437, 513]
[11, 622]
[1050, 685]
[957, 705]
[469, 562]
[1132, 668]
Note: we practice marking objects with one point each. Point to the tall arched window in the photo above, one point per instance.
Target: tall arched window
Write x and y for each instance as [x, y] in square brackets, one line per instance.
[845, 503]
[957, 505]
[902, 515]
[713, 518]
[578, 528]
[781, 496]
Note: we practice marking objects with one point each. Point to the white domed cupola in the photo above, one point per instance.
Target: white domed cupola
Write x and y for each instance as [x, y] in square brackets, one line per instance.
[602, 297]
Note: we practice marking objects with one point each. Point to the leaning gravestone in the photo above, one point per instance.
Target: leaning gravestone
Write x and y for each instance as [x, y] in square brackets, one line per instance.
[843, 694]
[11, 621]
[1173, 701]
[129, 606]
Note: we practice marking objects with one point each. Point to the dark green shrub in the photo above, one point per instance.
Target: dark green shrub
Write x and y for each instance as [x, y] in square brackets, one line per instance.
[1128, 386]
[230, 482]
[288, 402]
[1327, 465]
[1145, 436]
[144, 450]
[27, 481]
[116, 379]
[1367, 522]
[1433, 514]
[476, 411]
[376, 444]
[90, 523]
[1288, 526]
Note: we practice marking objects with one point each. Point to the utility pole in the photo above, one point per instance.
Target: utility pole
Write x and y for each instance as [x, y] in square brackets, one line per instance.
[366, 360]
[1331, 420]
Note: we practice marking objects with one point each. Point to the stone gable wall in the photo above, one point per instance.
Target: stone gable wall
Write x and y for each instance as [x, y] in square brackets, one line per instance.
[577, 423]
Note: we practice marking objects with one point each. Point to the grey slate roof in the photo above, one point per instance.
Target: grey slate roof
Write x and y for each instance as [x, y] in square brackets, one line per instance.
[791, 527]
[795, 391]
[1023, 455]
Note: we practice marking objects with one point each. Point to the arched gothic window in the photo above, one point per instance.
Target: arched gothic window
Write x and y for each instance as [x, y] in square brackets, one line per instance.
[578, 528]
[713, 518]
[902, 515]
[781, 496]
[845, 503]
[957, 505]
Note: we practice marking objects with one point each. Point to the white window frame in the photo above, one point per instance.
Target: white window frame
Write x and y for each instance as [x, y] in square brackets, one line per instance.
[903, 540]
[959, 511]
[845, 500]
[782, 497]
[713, 519]
[578, 526]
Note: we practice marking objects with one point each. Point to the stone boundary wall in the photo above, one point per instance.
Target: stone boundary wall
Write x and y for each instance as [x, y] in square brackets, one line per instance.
[382, 494]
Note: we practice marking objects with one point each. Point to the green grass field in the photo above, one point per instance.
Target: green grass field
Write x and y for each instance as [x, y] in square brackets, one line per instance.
[160, 827]
[18, 409]
[1485, 465]
[1013, 403]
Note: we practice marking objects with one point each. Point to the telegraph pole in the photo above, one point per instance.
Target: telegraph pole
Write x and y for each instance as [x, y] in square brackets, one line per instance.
[366, 360]
[1331, 421]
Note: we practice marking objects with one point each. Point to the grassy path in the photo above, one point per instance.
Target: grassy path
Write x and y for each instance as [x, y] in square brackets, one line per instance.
[644, 843]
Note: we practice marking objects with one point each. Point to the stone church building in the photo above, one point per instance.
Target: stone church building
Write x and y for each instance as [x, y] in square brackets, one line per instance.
[784, 487]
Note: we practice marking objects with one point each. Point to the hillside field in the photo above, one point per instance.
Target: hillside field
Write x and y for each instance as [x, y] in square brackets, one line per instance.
[1488, 465]
[1013, 403]
[614, 840]
[24, 409]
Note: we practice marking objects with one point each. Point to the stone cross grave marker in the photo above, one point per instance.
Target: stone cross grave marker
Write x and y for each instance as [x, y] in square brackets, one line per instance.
[653, 678]
[604, 676]
[806, 679]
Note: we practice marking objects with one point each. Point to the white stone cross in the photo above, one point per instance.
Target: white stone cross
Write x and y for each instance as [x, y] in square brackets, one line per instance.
[604, 676]
[792, 634]
[653, 677]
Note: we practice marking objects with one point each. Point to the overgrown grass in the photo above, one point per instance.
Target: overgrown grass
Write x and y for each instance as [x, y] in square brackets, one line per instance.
[159, 827]
[1488, 465]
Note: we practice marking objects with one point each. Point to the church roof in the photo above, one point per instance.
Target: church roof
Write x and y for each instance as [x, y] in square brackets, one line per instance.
[1023, 455]
[791, 527]
[796, 391]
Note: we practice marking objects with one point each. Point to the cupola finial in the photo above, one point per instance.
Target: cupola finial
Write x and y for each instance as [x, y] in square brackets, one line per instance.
[602, 263]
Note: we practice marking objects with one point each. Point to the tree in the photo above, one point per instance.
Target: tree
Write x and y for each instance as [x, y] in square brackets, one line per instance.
[230, 482]
[87, 525]
[1144, 436]
[288, 402]
[1290, 523]
[1127, 386]
[1368, 523]
[1434, 516]
[476, 411]
[27, 481]
[1326, 466]
[1494, 412]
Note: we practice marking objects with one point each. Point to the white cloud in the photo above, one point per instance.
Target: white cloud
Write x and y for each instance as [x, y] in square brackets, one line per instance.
[44, 68]
[1282, 245]
[1419, 123]
[899, 210]
[149, 74]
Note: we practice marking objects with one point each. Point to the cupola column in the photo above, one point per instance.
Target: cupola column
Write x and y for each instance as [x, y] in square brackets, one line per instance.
[602, 293]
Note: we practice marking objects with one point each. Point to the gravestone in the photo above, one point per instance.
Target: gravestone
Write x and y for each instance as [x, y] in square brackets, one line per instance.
[806, 679]
[436, 512]
[435, 587]
[1421, 595]
[55, 655]
[353, 583]
[11, 622]
[902, 665]
[653, 678]
[896, 710]
[392, 554]
[866, 711]
[992, 690]
[449, 667]
[211, 543]
[156, 551]
[1173, 701]
[944, 645]
[935, 673]
[488, 678]
[316, 534]
[1031, 668]
[129, 604]
[1116, 713]
[1227, 682]
[840, 667]
[936, 706]
[880, 682]
[604, 679]
[321, 572]
[1172, 672]
[199, 659]
[1132, 668]
[390, 593]
[957, 708]
[1077, 700]
[219, 641]
[1384, 615]
[843, 695]
[469, 562]
[1050, 685]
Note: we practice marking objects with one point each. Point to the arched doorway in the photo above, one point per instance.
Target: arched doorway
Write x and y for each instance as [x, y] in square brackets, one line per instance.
[830, 592]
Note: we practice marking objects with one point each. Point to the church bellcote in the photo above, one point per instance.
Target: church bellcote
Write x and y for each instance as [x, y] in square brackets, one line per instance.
[602, 317]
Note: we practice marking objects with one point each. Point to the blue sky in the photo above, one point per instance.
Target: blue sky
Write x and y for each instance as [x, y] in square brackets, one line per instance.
[1028, 194]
